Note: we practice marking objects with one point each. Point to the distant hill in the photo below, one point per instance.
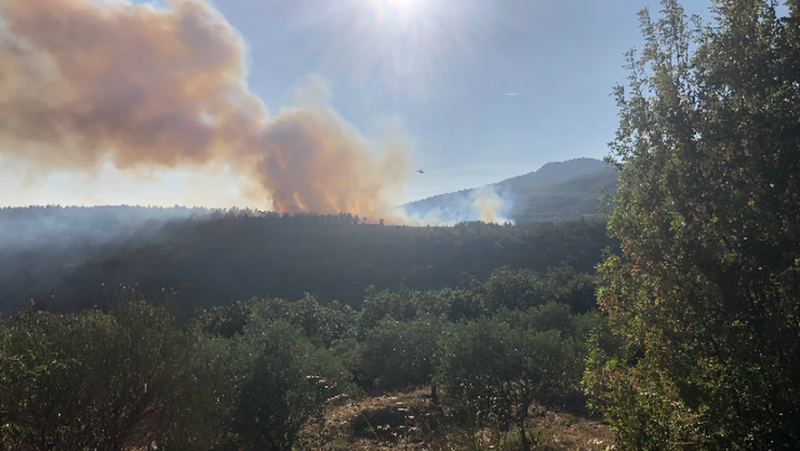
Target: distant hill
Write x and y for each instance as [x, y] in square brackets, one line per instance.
[557, 172]
[557, 191]
[575, 198]
[204, 260]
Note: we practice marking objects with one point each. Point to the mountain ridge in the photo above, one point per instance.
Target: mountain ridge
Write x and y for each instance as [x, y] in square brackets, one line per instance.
[557, 191]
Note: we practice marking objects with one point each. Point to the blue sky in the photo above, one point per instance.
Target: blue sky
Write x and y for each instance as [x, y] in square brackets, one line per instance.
[444, 68]
[482, 90]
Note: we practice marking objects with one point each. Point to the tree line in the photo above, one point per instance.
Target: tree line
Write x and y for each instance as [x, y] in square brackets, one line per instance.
[215, 259]
[250, 374]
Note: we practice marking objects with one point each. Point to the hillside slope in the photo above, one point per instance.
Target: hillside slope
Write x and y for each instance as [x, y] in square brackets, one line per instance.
[557, 191]
[574, 198]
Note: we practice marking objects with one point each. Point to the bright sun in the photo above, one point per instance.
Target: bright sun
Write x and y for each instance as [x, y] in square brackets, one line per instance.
[405, 44]
[401, 8]
[403, 4]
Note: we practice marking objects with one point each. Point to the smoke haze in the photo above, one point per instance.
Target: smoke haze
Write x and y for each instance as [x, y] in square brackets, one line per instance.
[488, 204]
[147, 89]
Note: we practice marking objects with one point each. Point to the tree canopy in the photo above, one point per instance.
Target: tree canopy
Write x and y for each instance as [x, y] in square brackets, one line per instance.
[704, 300]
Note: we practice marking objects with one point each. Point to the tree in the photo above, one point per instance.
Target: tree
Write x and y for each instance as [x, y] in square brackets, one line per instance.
[705, 300]
[90, 380]
[503, 371]
[324, 325]
[284, 381]
[399, 354]
[199, 418]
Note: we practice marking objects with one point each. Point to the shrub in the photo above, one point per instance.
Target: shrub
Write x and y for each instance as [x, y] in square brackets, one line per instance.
[90, 380]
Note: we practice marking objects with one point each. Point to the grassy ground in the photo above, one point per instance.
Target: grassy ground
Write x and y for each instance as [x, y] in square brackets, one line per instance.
[412, 421]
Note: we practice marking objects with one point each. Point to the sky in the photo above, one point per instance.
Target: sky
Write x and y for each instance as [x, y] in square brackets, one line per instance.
[473, 91]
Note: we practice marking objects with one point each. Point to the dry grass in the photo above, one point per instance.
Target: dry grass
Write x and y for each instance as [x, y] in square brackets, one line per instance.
[557, 431]
[407, 421]
[412, 421]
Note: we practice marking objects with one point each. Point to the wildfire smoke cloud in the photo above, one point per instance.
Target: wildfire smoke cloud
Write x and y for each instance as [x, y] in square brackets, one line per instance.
[487, 203]
[85, 81]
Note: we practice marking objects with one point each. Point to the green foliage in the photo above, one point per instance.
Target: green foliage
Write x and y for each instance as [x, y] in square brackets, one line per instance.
[402, 305]
[225, 321]
[132, 378]
[500, 371]
[249, 375]
[552, 316]
[274, 368]
[406, 304]
[287, 381]
[520, 290]
[399, 354]
[225, 257]
[505, 289]
[510, 289]
[199, 419]
[569, 287]
[90, 381]
[704, 302]
[323, 324]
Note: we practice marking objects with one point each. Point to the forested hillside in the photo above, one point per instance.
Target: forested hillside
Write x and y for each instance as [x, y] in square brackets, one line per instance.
[227, 330]
[216, 259]
[671, 324]
[557, 191]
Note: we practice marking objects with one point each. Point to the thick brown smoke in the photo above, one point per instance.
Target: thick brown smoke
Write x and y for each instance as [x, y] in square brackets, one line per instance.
[83, 81]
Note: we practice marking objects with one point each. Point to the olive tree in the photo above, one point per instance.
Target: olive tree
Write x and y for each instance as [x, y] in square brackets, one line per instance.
[283, 380]
[399, 354]
[504, 371]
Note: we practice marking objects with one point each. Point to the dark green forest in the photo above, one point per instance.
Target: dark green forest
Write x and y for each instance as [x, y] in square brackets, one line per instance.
[232, 330]
[673, 323]
[248, 375]
[214, 259]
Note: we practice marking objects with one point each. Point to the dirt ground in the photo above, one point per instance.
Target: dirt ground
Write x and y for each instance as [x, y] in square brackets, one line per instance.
[413, 421]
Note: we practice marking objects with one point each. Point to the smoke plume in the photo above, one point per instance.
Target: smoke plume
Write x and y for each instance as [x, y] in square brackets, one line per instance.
[487, 202]
[87, 81]
[490, 204]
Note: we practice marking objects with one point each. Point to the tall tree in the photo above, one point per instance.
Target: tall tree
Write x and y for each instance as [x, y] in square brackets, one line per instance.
[705, 299]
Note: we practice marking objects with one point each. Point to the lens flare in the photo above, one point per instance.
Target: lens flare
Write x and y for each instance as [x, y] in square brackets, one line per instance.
[405, 17]
[408, 51]
[402, 4]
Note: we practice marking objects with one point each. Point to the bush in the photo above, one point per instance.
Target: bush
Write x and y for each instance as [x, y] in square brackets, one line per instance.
[502, 372]
[90, 380]
[323, 324]
[285, 380]
[397, 354]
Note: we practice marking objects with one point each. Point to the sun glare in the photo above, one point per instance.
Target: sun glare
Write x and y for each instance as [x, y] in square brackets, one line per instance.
[398, 48]
[399, 8]
[402, 4]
